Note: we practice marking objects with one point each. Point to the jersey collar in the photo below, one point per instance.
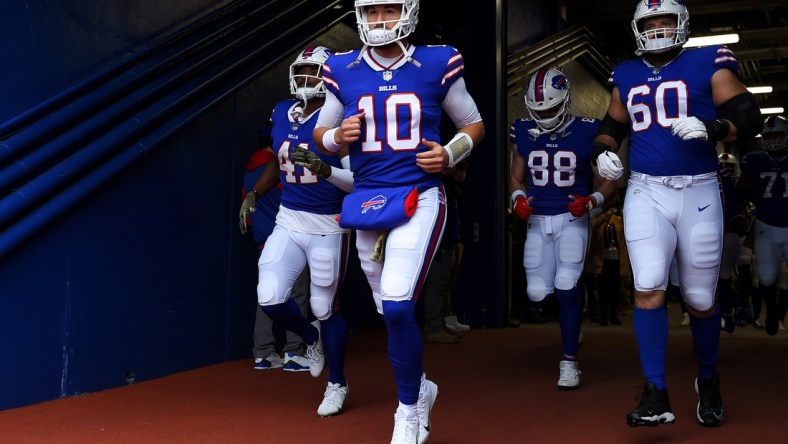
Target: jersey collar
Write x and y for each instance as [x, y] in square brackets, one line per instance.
[379, 63]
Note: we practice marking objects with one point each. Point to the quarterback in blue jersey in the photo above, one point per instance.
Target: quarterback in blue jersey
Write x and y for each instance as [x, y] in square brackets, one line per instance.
[306, 231]
[765, 178]
[551, 156]
[676, 104]
[384, 102]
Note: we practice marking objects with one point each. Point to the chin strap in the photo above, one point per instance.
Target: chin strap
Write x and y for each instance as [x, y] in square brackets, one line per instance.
[405, 51]
[358, 59]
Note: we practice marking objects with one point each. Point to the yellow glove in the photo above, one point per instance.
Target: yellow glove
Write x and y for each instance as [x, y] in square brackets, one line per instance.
[247, 207]
[309, 160]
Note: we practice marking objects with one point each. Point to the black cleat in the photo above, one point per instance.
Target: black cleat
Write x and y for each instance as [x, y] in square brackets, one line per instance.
[710, 412]
[730, 321]
[772, 323]
[653, 410]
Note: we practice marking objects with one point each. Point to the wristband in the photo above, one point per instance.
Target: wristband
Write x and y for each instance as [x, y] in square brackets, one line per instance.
[599, 198]
[459, 147]
[717, 130]
[328, 141]
[518, 193]
[599, 148]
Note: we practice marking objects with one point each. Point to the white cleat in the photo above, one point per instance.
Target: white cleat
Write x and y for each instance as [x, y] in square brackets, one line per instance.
[317, 360]
[428, 393]
[568, 375]
[406, 428]
[333, 400]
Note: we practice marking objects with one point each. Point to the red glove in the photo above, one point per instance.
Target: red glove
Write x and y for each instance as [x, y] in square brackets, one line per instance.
[522, 207]
[579, 205]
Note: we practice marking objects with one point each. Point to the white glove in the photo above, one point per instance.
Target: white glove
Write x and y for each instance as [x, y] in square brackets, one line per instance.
[610, 166]
[688, 128]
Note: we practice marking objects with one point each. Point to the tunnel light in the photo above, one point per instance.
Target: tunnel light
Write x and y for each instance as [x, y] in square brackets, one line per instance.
[721, 39]
[760, 89]
[776, 110]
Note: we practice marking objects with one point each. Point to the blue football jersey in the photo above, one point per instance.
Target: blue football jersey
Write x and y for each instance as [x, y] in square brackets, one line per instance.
[655, 97]
[769, 180]
[302, 190]
[557, 164]
[402, 105]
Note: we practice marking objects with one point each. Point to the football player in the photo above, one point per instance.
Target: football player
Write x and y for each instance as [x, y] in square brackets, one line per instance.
[385, 103]
[551, 156]
[676, 104]
[306, 231]
[734, 227]
[765, 178]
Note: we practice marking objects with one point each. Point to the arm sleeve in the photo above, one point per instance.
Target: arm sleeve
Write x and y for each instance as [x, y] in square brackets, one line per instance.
[331, 114]
[342, 178]
[459, 105]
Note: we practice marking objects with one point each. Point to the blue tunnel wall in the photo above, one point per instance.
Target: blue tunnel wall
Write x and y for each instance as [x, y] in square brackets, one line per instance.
[147, 273]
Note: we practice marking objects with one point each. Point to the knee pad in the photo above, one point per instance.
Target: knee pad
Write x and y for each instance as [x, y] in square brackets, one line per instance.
[651, 277]
[322, 267]
[321, 308]
[267, 289]
[699, 301]
[564, 281]
[536, 289]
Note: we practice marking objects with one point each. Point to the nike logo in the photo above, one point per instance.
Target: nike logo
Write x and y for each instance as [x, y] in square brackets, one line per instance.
[703, 208]
[573, 219]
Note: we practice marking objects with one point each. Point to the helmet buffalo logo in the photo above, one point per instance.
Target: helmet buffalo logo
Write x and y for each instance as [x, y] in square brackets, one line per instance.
[375, 203]
[559, 82]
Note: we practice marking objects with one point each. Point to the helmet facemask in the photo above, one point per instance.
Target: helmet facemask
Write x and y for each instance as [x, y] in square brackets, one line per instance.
[300, 82]
[300, 86]
[548, 90]
[373, 35]
[660, 40]
[774, 136]
[727, 165]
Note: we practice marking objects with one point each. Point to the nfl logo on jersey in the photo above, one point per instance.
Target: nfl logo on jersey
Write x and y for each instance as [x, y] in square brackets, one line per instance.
[387, 75]
[375, 203]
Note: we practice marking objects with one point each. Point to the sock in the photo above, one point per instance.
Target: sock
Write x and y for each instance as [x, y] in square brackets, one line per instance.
[570, 316]
[334, 333]
[407, 409]
[725, 295]
[706, 336]
[289, 314]
[406, 348]
[651, 332]
[757, 303]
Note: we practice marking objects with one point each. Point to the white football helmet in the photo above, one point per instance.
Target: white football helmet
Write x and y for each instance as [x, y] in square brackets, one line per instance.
[402, 28]
[548, 89]
[774, 136]
[727, 165]
[662, 39]
[299, 82]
